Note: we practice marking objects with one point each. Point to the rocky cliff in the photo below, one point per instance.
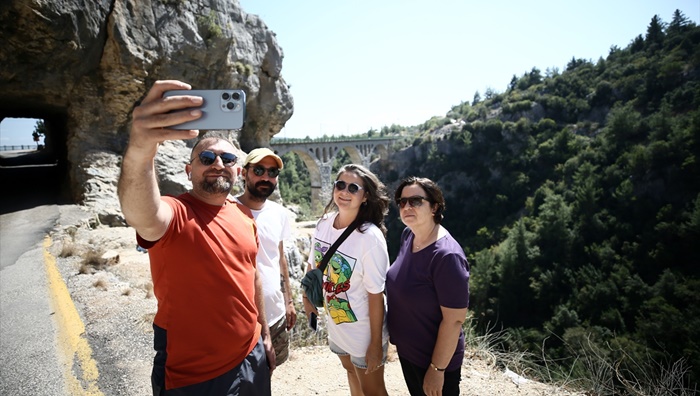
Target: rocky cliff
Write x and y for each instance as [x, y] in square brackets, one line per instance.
[81, 65]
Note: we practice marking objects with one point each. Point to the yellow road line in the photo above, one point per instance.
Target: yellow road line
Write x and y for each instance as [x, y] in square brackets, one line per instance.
[80, 369]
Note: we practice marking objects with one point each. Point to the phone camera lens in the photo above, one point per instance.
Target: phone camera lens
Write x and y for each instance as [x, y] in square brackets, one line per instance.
[236, 96]
[230, 105]
[225, 96]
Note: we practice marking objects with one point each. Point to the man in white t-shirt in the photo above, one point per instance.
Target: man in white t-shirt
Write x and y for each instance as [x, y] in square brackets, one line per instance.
[260, 171]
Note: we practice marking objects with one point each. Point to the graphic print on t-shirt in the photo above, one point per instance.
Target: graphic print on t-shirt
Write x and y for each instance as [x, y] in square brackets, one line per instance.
[336, 283]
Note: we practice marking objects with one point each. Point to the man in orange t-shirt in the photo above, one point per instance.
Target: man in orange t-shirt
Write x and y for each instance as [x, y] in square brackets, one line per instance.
[210, 332]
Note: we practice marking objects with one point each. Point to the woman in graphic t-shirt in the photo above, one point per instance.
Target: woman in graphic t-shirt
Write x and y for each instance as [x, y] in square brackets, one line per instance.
[353, 281]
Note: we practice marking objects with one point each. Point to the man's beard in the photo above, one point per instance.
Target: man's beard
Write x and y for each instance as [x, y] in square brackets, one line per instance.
[220, 185]
[258, 193]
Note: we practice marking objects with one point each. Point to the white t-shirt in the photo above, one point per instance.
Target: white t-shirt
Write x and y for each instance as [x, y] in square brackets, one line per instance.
[273, 227]
[358, 267]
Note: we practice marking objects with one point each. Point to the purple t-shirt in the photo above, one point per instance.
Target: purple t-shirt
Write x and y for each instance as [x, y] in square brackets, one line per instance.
[417, 284]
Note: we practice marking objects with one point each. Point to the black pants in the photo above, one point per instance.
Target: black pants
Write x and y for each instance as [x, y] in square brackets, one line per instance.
[250, 377]
[414, 375]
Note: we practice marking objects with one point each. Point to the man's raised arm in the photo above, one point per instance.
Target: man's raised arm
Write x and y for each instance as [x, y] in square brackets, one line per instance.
[138, 190]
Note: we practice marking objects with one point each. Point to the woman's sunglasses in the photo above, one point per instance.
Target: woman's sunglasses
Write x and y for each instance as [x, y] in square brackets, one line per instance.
[259, 170]
[207, 158]
[352, 187]
[414, 201]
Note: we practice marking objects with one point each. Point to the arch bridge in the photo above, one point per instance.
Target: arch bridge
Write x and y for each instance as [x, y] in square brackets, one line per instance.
[318, 156]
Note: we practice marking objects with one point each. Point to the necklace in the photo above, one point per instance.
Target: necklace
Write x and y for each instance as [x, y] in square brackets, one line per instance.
[426, 242]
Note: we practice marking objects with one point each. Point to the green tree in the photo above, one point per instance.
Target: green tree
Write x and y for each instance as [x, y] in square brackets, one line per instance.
[679, 24]
[655, 33]
[477, 98]
[295, 184]
[516, 297]
[39, 132]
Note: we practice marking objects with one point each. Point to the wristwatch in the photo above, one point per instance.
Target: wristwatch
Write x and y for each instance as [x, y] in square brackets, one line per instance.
[436, 367]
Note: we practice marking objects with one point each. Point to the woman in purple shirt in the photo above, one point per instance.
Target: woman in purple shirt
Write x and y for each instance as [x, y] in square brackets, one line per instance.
[427, 293]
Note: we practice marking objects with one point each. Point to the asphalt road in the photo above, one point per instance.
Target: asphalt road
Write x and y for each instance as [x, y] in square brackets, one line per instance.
[32, 362]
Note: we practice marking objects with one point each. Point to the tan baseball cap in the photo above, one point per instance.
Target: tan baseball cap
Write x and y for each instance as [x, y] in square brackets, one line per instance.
[258, 154]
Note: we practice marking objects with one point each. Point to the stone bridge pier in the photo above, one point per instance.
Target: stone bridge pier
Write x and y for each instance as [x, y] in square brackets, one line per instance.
[318, 156]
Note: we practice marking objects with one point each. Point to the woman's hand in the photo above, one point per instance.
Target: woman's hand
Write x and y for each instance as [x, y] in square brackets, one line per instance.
[375, 351]
[374, 356]
[308, 307]
[433, 382]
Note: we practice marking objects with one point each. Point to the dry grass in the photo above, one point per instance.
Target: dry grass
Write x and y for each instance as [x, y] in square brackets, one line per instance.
[72, 231]
[101, 284]
[146, 322]
[590, 370]
[68, 249]
[653, 378]
[86, 269]
[92, 262]
[149, 289]
[93, 258]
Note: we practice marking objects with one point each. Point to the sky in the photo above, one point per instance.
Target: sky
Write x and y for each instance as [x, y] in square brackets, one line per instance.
[17, 132]
[357, 65]
[364, 64]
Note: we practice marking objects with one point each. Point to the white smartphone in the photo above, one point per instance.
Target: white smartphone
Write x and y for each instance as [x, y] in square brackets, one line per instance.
[221, 109]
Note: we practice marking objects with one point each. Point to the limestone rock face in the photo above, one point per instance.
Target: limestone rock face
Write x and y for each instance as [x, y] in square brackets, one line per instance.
[81, 65]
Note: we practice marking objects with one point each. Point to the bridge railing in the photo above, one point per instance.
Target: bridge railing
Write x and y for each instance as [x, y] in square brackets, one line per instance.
[19, 147]
[274, 141]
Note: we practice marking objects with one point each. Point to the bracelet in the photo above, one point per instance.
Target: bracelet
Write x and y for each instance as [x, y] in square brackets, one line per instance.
[436, 367]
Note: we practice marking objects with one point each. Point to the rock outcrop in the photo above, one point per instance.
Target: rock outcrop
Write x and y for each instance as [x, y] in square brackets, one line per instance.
[82, 65]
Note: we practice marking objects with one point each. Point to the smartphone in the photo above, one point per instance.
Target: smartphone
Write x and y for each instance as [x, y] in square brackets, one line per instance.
[221, 109]
[313, 321]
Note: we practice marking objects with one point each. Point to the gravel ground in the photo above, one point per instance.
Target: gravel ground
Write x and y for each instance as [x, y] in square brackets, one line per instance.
[117, 306]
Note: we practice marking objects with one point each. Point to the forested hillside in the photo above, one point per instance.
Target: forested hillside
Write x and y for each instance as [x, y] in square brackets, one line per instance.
[576, 195]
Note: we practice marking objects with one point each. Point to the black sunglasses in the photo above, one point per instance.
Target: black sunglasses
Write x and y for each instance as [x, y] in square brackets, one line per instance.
[259, 170]
[352, 187]
[414, 201]
[207, 158]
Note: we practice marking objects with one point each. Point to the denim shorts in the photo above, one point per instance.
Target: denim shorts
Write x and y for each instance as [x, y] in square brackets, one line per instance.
[359, 362]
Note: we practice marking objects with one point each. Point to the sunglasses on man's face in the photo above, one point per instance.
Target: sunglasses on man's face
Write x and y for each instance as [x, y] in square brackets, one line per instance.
[207, 158]
[352, 187]
[259, 170]
[414, 201]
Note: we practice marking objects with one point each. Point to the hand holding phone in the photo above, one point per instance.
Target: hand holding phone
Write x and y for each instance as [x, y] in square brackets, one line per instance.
[221, 108]
[313, 321]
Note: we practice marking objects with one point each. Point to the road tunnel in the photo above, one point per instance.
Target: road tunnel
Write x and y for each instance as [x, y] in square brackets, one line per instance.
[37, 176]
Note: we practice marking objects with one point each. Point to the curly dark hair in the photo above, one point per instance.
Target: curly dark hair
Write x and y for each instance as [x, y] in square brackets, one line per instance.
[432, 192]
[377, 205]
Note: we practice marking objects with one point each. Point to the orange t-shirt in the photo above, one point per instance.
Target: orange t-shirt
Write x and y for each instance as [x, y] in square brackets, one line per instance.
[203, 272]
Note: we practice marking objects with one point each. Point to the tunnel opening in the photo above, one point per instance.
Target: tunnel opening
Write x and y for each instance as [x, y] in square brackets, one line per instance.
[37, 175]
